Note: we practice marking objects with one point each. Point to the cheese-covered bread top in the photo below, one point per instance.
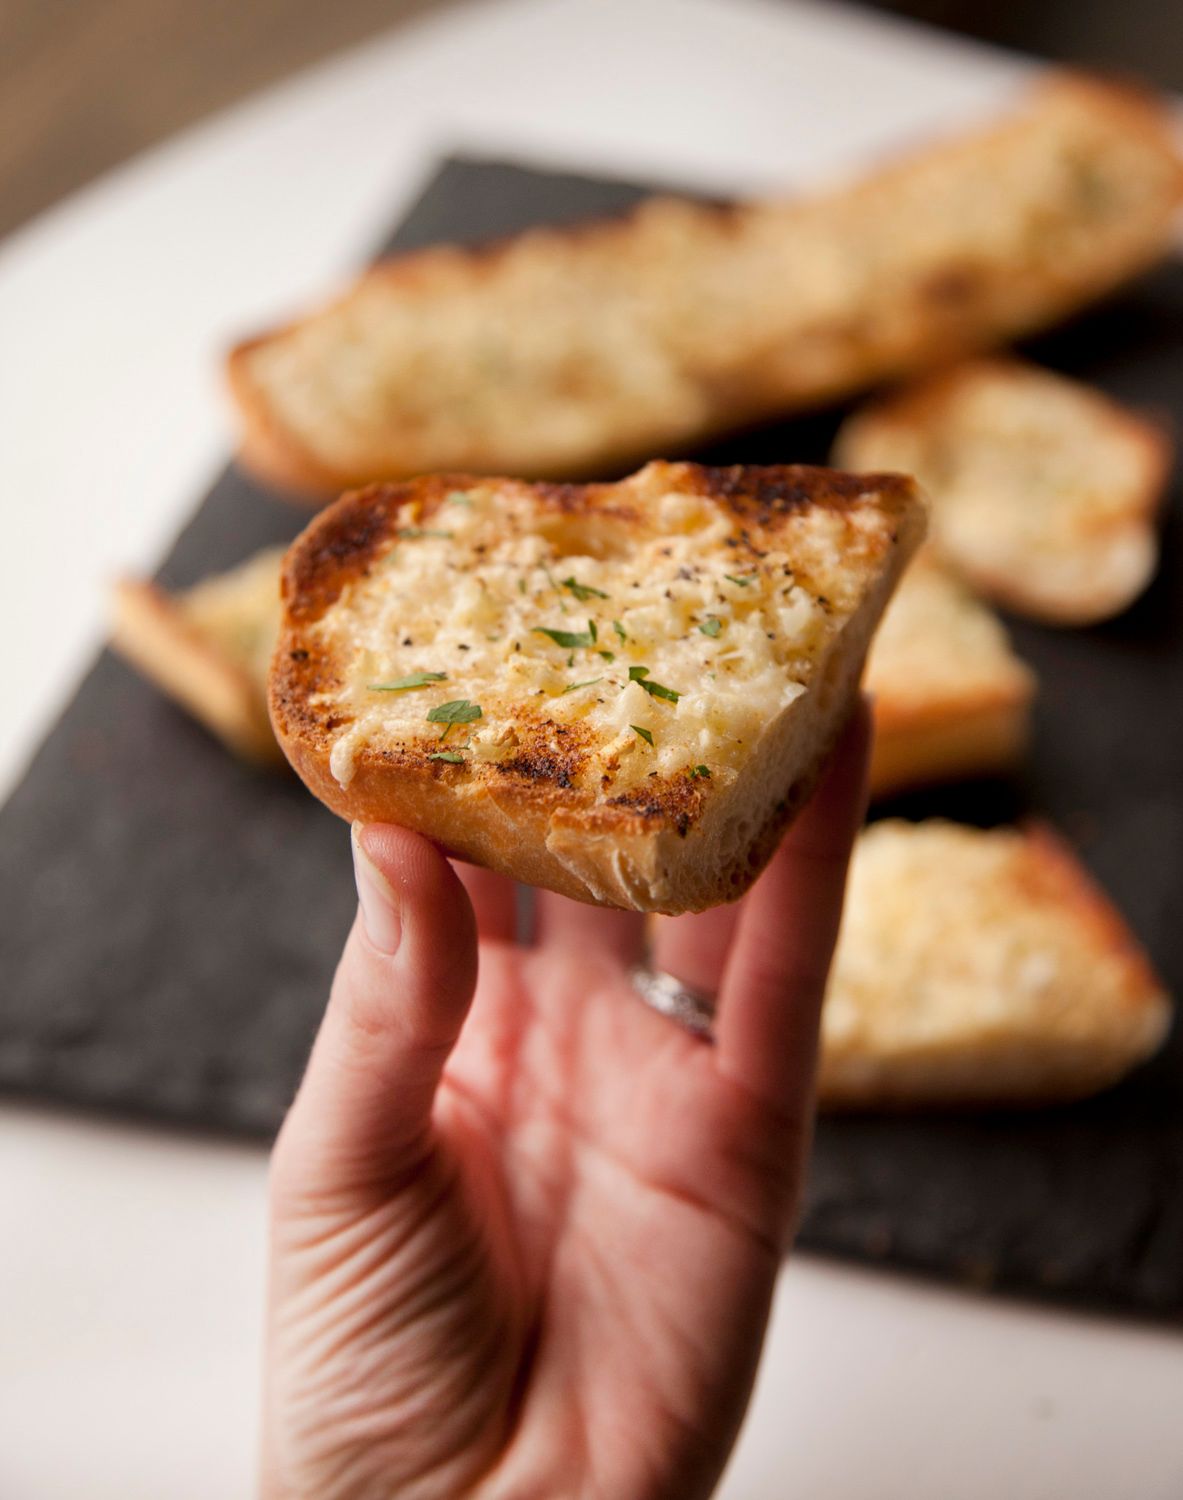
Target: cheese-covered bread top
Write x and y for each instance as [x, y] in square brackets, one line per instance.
[623, 640]
[629, 652]
[1043, 489]
[939, 649]
[569, 350]
[981, 965]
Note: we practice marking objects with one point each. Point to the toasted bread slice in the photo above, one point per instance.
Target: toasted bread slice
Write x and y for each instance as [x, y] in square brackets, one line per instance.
[577, 351]
[620, 692]
[951, 697]
[1044, 491]
[209, 647]
[981, 968]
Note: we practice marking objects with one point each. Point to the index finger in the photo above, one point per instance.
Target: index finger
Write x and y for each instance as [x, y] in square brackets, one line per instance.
[775, 976]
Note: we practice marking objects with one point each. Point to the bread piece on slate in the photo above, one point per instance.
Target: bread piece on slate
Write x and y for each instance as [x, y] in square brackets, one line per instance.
[951, 698]
[580, 350]
[209, 647]
[1044, 491]
[981, 968]
[622, 692]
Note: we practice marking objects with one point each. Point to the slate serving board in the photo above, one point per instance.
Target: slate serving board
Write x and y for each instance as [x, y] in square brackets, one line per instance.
[171, 919]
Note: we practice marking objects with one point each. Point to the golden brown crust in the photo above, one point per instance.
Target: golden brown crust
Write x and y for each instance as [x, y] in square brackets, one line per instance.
[527, 813]
[916, 747]
[152, 633]
[921, 311]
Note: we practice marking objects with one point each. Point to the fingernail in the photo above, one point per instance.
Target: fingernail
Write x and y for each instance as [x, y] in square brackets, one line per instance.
[379, 909]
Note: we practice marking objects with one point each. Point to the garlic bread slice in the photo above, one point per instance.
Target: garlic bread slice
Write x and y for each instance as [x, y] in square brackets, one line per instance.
[209, 647]
[580, 350]
[951, 698]
[981, 968]
[1044, 491]
[622, 692]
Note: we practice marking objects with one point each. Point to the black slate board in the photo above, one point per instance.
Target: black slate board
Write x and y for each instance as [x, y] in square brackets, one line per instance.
[171, 919]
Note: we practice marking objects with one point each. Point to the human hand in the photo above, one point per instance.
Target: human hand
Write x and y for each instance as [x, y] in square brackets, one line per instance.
[524, 1244]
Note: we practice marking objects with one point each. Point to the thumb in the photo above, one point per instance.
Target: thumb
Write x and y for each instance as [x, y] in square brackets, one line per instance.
[399, 998]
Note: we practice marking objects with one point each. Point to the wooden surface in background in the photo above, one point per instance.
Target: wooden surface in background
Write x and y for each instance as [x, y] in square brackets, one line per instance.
[85, 84]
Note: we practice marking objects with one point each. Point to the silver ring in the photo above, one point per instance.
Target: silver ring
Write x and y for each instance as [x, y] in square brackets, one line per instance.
[670, 997]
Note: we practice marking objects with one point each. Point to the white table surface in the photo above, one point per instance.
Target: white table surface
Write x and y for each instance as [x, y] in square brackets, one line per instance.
[131, 1260]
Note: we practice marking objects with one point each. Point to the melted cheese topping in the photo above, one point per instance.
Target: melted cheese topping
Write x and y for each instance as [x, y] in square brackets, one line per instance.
[734, 634]
[1018, 461]
[953, 934]
[539, 355]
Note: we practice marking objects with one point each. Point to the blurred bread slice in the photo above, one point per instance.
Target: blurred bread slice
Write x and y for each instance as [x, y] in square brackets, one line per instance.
[582, 350]
[981, 968]
[209, 648]
[1044, 491]
[951, 698]
[621, 692]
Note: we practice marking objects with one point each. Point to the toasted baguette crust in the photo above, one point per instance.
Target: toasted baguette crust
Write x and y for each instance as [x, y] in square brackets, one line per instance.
[676, 843]
[153, 631]
[1071, 553]
[981, 968]
[951, 699]
[611, 341]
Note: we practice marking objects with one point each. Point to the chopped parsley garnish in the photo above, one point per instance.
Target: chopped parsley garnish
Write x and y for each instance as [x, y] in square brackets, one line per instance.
[607, 655]
[459, 711]
[570, 640]
[742, 582]
[404, 684]
[619, 629]
[573, 686]
[697, 771]
[583, 591]
[452, 758]
[640, 676]
[711, 626]
[409, 533]
[646, 734]
[554, 583]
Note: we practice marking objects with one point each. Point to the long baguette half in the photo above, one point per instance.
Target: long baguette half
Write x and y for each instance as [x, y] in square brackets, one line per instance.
[981, 968]
[622, 692]
[579, 351]
[209, 648]
[1044, 491]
